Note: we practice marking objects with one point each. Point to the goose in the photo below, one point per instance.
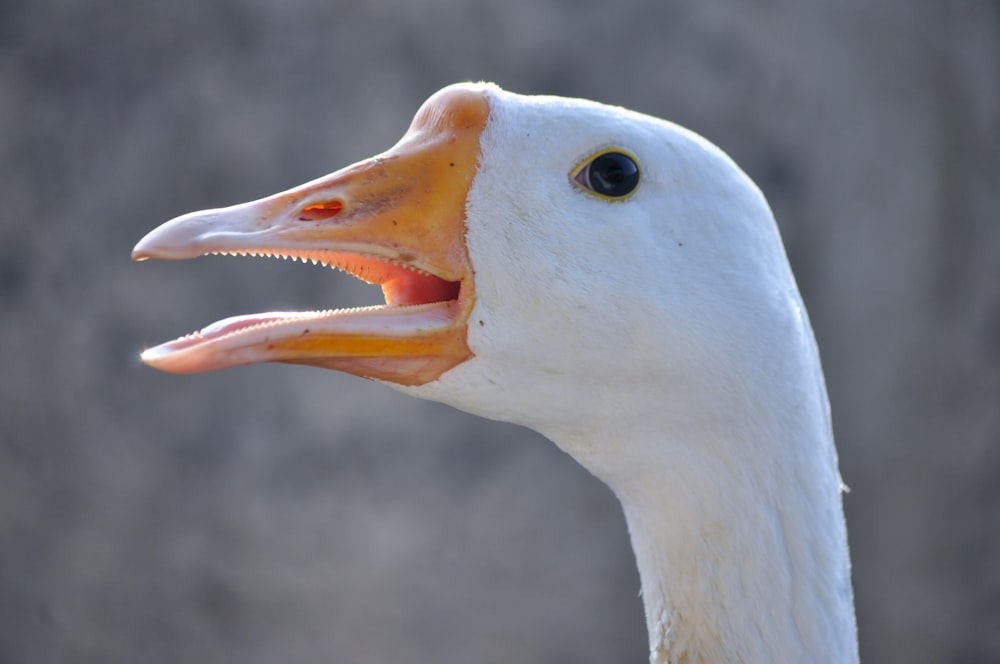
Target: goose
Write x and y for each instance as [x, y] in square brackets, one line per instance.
[613, 281]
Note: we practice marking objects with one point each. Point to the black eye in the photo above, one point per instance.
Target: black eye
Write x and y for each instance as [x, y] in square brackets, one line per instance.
[609, 174]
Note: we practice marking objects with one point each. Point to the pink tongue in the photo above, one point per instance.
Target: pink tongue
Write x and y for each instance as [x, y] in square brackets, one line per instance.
[419, 289]
[234, 323]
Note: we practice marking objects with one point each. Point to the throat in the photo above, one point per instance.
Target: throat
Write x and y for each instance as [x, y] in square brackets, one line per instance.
[410, 289]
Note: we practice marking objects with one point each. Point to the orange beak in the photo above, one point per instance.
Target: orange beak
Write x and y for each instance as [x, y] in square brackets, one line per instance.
[397, 220]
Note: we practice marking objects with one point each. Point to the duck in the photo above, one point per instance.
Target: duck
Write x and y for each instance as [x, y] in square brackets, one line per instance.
[613, 281]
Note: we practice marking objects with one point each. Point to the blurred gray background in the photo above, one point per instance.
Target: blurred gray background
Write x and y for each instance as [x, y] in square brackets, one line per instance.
[288, 514]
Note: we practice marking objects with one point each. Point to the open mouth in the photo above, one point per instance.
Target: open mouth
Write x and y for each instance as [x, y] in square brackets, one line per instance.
[403, 287]
[419, 307]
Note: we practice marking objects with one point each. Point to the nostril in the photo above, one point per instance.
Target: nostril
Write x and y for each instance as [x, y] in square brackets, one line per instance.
[321, 211]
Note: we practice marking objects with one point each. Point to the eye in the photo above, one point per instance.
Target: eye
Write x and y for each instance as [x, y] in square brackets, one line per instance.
[611, 174]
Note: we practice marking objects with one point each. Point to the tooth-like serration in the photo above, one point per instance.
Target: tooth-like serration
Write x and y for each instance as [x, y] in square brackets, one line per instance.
[357, 265]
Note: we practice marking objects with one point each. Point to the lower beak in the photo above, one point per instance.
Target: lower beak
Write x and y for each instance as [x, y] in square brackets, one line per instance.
[397, 220]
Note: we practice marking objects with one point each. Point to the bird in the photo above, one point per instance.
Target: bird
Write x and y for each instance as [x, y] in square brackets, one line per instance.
[613, 281]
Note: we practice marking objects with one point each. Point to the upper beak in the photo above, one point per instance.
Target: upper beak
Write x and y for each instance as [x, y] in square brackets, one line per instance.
[397, 219]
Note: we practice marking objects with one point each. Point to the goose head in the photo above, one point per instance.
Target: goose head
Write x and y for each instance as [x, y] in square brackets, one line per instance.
[540, 258]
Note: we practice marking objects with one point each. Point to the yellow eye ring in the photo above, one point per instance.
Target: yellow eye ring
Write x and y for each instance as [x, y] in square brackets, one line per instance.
[611, 174]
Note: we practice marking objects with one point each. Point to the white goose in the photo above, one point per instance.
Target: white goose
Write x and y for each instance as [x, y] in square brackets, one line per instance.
[614, 282]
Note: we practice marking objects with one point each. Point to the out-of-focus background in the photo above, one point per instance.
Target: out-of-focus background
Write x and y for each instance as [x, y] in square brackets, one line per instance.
[287, 514]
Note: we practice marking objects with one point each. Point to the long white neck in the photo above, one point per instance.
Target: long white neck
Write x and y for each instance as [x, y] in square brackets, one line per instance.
[731, 573]
[735, 514]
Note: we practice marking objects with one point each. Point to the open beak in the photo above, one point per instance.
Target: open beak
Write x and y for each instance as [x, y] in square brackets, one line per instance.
[397, 219]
